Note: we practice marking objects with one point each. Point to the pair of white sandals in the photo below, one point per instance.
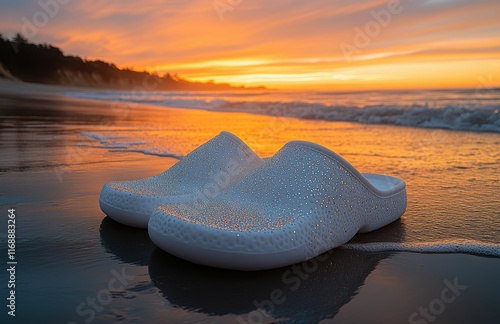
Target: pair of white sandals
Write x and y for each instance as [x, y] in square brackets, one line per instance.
[224, 206]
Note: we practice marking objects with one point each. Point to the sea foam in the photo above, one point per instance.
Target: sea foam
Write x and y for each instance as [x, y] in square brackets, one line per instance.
[457, 246]
[116, 143]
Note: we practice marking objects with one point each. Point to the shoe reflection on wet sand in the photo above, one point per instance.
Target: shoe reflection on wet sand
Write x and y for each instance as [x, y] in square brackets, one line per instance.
[315, 289]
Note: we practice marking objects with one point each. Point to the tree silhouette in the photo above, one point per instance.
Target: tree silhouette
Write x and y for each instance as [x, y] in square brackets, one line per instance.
[44, 63]
[19, 39]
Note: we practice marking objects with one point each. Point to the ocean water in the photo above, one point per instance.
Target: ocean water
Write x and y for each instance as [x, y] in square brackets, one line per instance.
[58, 152]
[453, 175]
[444, 143]
[464, 109]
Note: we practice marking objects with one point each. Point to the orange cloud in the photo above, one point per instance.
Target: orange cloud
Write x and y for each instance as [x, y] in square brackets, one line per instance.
[285, 44]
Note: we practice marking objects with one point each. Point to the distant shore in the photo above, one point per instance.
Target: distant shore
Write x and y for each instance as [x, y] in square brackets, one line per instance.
[20, 87]
[23, 60]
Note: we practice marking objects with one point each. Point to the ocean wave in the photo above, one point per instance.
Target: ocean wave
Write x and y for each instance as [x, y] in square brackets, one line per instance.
[472, 115]
[459, 246]
[452, 117]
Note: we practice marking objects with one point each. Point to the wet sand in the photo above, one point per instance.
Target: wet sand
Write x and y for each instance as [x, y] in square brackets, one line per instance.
[77, 265]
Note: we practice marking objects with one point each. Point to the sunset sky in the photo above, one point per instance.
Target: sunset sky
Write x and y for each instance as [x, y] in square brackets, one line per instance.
[292, 44]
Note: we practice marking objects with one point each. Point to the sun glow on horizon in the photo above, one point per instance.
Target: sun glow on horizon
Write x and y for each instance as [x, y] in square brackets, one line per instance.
[378, 75]
[301, 45]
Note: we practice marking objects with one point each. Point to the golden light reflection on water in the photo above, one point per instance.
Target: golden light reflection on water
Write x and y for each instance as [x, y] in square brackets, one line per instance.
[452, 177]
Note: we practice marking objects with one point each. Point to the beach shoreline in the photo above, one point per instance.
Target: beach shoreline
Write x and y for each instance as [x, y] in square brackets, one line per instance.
[69, 250]
[27, 88]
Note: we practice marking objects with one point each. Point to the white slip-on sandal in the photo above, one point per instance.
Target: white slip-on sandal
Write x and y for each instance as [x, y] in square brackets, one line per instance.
[202, 174]
[303, 201]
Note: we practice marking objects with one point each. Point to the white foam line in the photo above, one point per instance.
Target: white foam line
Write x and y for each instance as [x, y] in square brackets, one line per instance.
[101, 138]
[107, 142]
[147, 152]
[466, 247]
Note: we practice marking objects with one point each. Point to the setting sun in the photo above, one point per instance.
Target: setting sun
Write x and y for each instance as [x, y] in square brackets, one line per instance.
[312, 45]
